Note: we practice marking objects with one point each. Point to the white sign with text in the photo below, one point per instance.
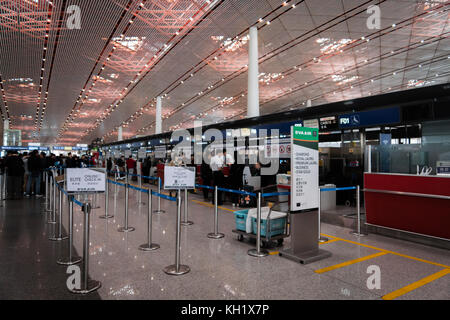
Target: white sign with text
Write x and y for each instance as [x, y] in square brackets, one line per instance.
[179, 177]
[85, 180]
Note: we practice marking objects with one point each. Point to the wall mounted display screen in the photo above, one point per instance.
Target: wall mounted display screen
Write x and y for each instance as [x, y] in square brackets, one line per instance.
[369, 118]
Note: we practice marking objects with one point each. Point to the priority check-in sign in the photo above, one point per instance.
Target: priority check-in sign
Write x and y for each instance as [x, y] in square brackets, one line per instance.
[85, 180]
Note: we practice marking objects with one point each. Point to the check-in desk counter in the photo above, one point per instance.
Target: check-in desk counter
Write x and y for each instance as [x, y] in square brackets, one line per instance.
[411, 203]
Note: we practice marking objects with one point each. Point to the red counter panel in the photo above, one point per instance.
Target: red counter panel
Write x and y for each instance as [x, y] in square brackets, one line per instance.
[428, 216]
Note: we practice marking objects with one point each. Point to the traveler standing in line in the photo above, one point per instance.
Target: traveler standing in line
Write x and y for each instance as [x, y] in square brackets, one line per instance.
[26, 175]
[34, 181]
[131, 165]
[206, 174]
[217, 163]
[70, 163]
[109, 165]
[235, 180]
[15, 171]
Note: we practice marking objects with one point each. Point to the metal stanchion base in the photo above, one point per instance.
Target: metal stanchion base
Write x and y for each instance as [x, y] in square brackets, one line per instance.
[172, 270]
[255, 253]
[323, 239]
[55, 238]
[106, 216]
[69, 261]
[149, 246]
[159, 211]
[186, 223]
[92, 286]
[358, 234]
[123, 229]
[215, 235]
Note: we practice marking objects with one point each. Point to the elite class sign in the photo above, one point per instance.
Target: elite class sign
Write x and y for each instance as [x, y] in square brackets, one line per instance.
[85, 180]
[304, 168]
[179, 177]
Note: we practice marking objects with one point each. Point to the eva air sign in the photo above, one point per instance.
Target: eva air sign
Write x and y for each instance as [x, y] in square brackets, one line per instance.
[304, 168]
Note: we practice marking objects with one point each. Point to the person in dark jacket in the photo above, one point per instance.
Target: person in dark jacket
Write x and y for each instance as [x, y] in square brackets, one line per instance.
[236, 181]
[15, 171]
[35, 170]
[206, 175]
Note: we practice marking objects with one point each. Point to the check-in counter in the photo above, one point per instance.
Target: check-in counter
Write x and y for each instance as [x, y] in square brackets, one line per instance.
[412, 203]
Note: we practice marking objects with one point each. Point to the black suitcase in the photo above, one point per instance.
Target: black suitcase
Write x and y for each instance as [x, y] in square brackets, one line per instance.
[245, 200]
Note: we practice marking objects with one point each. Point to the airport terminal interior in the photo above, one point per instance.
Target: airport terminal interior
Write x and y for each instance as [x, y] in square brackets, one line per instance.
[225, 150]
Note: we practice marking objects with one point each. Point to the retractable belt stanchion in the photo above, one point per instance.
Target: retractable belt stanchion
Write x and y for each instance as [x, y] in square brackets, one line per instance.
[46, 191]
[106, 215]
[185, 221]
[59, 236]
[95, 205]
[70, 259]
[1, 190]
[216, 234]
[52, 218]
[159, 199]
[140, 187]
[177, 269]
[4, 193]
[87, 285]
[321, 239]
[358, 208]
[126, 228]
[258, 252]
[149, 246]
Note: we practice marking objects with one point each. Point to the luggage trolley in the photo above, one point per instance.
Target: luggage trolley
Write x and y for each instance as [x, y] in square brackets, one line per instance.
[271, 229]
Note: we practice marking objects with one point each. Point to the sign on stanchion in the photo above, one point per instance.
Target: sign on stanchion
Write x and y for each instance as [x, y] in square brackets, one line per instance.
[177, 269]
[149, 246]
[88, 285]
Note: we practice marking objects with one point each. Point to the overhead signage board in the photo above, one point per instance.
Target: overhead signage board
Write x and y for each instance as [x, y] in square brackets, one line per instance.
[142, 153]
[179, 178]
[304, 168]
[311, 123]
[127, 153]
[160, 152]
[443, 168]
[369, 118]
[328, 123]
[80, 180]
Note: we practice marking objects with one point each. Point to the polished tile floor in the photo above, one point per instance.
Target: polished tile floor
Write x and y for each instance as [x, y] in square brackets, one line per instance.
[220, 269]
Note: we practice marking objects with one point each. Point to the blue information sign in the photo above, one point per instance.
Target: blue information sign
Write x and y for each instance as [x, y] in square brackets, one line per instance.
[369, 118]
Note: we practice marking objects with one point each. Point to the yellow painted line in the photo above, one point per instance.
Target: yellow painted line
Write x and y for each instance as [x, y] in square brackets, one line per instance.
[391, 252]
[272, 253]
[329, 241]
[415, 285]
[350, 262]
[211, 205]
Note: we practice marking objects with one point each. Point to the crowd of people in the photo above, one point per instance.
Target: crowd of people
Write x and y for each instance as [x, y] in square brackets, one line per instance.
[24, 172]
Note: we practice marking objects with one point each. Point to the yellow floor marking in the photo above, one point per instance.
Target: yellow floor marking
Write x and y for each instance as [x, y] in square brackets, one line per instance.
[415, 285]
[391, 252]
[272, 253]
[329, 241]
[347, 263]
[211, 205]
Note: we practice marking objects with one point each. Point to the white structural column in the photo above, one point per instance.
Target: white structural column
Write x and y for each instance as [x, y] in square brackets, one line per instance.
[158, 127]
[120, 134]
[253, 73]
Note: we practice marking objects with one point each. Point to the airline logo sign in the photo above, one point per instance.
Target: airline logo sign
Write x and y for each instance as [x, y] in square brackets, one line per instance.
[304, 168]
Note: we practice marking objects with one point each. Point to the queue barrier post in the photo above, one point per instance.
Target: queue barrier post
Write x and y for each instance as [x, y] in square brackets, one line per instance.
[95, 205]
[257, 252]
[149, 246]
[3, 193]
[59, 236]
[185, 221]
[140, 187]
[177, 269]
[70, 259]
[87, 285]
[52, 216]
[358, 212]
[216, 234]
[46, 193]
[159, 199]
[321, 238]
[126, 228]
[1, 190]
[106, 215]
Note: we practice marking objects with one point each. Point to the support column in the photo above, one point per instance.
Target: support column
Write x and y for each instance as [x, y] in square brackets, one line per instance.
[120, 134]
[158, 127]
[253, 81]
